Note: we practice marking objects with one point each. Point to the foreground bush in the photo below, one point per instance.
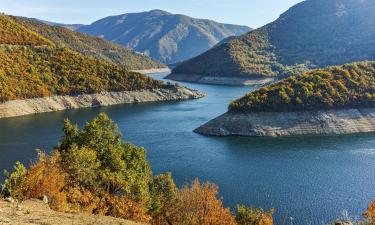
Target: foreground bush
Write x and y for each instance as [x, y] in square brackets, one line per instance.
[370, 214]
[253, 216]
[198, 204]
[92, 170]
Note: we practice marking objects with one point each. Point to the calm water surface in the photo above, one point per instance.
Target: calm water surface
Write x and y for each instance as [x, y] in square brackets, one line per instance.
[312, 179]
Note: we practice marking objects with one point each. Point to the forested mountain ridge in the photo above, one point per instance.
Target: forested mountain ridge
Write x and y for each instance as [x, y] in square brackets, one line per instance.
[166, 37]
[90, 46]
[32, 66]
[336, 87]
[313, 33]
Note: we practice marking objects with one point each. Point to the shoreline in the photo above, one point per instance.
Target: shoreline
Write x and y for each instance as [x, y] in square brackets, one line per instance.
[155, 70]
[17, 108]
[232, 81]
[281, 124]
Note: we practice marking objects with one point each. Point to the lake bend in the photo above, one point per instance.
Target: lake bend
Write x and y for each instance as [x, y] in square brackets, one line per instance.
[308, 180]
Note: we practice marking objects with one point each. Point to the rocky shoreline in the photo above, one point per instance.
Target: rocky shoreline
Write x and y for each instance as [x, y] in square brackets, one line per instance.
[278, 124]
[156, 70]
[57, 103]
[235, 81]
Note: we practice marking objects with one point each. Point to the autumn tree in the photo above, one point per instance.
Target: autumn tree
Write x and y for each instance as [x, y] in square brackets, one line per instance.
[198, 204]
[96, 157]
[370, 214]
[164, 198]
[91, 170]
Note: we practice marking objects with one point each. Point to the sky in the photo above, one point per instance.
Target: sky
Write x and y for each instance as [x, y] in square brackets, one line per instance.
[253, 13]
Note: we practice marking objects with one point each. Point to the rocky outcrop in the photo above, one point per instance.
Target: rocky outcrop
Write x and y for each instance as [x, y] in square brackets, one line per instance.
[340, 222]
[34, 212]
[274, 124]
[58, 103]
[239, 81]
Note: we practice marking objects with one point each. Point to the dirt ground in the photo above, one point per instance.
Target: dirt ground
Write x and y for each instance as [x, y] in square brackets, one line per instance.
[36, 212]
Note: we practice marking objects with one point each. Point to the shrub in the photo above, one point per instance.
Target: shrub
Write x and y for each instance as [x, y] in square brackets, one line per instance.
[164, 198]
[14, 182]
[370, 214]
[198, 204]
[46, 177]
[253, 216]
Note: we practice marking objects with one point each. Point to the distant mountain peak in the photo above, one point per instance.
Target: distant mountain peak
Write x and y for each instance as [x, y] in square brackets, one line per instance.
[159, 12]
[164, 36]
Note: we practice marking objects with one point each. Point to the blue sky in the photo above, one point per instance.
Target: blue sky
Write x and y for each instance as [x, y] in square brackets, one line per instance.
[254, 13]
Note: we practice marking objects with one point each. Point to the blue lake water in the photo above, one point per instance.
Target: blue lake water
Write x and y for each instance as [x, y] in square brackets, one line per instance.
[311, 179]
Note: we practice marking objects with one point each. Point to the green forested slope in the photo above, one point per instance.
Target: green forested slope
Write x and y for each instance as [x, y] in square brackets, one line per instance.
[347, 86]
[12, 33]
[31, 66]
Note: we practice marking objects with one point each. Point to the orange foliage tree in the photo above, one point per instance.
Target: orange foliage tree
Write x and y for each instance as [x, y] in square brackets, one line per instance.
[370, 213]
[198, 204]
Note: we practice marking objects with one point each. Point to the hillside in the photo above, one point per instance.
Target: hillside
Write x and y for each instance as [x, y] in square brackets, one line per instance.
[90, 46]
[31, 66]
[338, 87]
[12, 33]
[313, 33]
[30, 72]
[163, 36]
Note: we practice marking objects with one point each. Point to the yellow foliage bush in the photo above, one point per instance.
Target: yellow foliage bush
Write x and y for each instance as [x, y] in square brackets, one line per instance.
[198, 204]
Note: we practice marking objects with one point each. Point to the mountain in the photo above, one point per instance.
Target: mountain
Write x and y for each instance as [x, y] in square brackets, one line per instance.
[72, 27]
[89, 46]
[166, 37]
[32, 66]
[313, 33]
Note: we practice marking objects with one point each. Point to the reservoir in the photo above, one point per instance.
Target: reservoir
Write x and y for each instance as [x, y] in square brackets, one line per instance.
[308, 180]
